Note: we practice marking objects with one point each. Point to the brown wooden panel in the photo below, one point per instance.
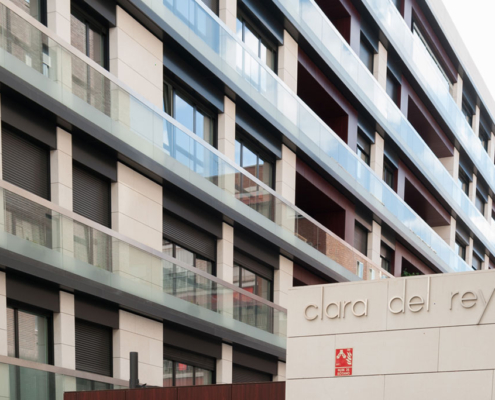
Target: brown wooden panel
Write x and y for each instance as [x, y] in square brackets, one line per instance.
[213, 392]
[102, 395]
[152, 394]
[259, 391]
[70, 396]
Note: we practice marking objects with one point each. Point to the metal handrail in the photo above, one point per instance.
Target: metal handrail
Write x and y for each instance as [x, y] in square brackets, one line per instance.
[110, 232]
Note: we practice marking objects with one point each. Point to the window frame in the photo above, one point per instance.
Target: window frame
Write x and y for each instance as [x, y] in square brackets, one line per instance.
[460, 247]
[241, 268]
[476, 257]
[365, 43]
[195, 256]
[259, 152]
[358, 225]
[174, 364]
[18, 306]
[360, 150]
[262, 39]
[479, 197]
[395, 85]
[463, 180]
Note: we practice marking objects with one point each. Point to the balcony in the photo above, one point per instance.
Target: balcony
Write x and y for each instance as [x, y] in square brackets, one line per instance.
[38, 229]
[26, 380]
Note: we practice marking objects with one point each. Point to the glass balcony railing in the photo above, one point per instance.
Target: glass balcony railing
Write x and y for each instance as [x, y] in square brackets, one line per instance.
[426, 71]
[222, 51]
[324, 37]
[71, 78]
[72, 243]
[23, 383]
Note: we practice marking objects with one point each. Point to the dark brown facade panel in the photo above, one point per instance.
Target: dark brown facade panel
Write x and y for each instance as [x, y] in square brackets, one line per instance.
[404, 258]
[192, 341]
[303, 277]
[32, 291]
[255, 360]
[151, 394]
[259, 391]
[256, 247]
[97, 311]
[217, 392]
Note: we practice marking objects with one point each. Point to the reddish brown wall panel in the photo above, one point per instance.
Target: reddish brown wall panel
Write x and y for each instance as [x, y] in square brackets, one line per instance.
[152, 394]
[102, 395]
[259, 391]
[213, 392]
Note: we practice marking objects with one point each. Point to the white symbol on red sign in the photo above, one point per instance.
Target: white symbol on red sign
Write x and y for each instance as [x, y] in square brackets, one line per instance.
[343, 362]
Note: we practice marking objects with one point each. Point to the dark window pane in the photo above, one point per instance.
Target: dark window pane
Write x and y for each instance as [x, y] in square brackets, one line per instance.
[10, 333]
[184, 375]
[392, 88]
[202, 377]
[33, 337]
[366, 54]
[212, 5]
[388, 176]
[479, 203]
[184, 113]
[96, 47]
[31, 7]
[361, 239]
[476, 262]
[168, 373]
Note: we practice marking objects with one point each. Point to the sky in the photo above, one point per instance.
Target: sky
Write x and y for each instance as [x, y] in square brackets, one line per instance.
[474, 21]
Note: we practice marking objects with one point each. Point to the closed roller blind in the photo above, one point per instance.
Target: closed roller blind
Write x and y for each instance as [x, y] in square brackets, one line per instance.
[91, 197]
[93, 348]
[189, 236]
[247, 375]
[253, 265]
[25, 164]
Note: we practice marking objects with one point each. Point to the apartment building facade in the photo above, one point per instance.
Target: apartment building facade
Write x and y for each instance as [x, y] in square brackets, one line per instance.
[170, 168]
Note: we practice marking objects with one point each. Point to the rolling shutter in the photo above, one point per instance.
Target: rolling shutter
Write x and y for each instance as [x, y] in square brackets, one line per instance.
[26, 164]
[188, 236]
[91, 197]
[189, 358]
[254, 266]
[248, 375]
[93, 348]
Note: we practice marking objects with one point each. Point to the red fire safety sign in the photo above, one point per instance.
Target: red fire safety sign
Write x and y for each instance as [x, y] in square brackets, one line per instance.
[343, 362]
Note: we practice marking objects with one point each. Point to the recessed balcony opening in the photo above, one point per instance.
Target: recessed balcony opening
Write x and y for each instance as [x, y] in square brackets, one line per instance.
[314, 88]
[427, 129]
[304, 277]
[408, 268]
[431, 213]
[337, 13]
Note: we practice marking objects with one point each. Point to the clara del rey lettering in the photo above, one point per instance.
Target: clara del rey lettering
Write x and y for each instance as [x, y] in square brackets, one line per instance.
[404, 303]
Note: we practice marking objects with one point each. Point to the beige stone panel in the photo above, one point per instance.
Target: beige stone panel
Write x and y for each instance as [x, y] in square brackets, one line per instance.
[127, 176]
[283, 280]
[288, 61]
[58, 18]
[64, 332]
[137, 230]
[226, 129]
[440, 386]
[491, 147]
[345, 388]
[469, 252]
[467, 348]
[224, 365]
[311, 357]
[456, 91]
[447, 232]
[228, 13]
[3, 315]
[380, 65]
[281, 372]
[377, 153]
[285, 174]
[488, 209]
[396, 352]
[472, 188]
[443, 297]
[451, 164]
[374, 292]
[225, 254]
[140, 325]
[374, 243]
[476, 121]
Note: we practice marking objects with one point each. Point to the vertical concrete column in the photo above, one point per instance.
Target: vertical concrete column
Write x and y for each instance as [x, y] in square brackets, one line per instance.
[224, 365]
[447, 232]
[281, 374]
[472, 188]
[486, 262]
[145, 336]
[227, 10]
[469, 252]
[226, 129]
[456, 91]
[451, 164]
[225, 254]
[287, 61]
[491, 147]
[377, 155]
[61, 170]
[64, 332]
[3, 315]
[476, 121]
[283, 281]
[374, 243]
[136, 57]
[380, 65]
[285, 185]
[488, 209]
[137, 212]
[58, 18]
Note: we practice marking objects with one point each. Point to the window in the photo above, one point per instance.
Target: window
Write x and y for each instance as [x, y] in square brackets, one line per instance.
[389, 174]
[418, 35]
[35, 8]
[260, 165]
[468, 113]
[363, 149]
[188, 257]
[252, 282]
[460, 249]
[89, 36]
[484, 137]
[463, 182]
[258, 45]
[393, 87]
[386, 256]
[29, 334]
[477, 262]
[366, 53]
[180, 374]
[479, 203]
[361, 239]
